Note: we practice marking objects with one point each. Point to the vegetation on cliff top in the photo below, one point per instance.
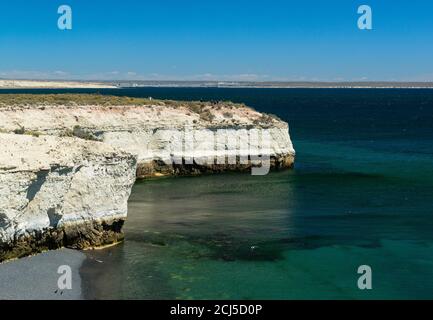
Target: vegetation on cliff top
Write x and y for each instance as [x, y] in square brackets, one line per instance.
[203, 108]
[26, 100]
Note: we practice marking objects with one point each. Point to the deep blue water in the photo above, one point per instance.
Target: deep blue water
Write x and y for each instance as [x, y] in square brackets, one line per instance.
[360, 194]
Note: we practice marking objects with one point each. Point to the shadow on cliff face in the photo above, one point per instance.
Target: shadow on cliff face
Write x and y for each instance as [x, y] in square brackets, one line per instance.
[4, 220]
[36, 185]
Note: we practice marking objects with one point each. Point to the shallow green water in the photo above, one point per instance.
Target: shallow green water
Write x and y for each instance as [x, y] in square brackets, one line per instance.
[293, 234]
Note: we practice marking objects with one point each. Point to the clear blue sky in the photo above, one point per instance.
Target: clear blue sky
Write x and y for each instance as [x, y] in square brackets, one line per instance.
[226, 40]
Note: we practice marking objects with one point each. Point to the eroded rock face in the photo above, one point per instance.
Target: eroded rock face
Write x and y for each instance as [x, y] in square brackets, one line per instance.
[58, 192]
[147, 132]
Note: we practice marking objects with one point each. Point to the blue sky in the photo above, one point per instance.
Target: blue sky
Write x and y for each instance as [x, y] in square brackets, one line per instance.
[312, 40]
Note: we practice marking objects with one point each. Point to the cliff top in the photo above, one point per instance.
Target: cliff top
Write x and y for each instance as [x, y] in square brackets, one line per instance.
[140, 110]
[75, 99]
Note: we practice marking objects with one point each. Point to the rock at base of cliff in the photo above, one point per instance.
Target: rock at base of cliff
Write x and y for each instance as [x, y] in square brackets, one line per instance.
[158, 168]
[90, 234]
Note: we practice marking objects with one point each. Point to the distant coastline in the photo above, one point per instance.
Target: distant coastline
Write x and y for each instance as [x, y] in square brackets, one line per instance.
[287, 85]
[53, 84]
[76, 84]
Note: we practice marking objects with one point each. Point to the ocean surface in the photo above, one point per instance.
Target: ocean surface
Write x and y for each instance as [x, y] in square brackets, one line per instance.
[361, 193]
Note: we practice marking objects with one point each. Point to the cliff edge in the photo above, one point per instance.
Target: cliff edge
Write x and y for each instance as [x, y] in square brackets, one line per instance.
[168, 137]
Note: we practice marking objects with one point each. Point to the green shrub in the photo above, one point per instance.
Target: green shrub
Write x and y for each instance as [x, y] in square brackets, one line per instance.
[228, 115]
[207, 116]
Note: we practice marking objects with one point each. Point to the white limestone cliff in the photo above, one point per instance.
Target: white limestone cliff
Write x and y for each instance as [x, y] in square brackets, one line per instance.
[61, 191]
[149, 131]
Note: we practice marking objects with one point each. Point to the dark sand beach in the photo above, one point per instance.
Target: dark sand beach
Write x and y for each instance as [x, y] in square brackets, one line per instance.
[36, 277]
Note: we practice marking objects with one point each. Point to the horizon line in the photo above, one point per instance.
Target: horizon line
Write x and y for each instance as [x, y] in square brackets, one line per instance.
[224, 81]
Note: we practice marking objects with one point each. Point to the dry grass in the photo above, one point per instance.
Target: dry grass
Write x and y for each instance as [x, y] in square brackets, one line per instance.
[203, 109]
[39, 100]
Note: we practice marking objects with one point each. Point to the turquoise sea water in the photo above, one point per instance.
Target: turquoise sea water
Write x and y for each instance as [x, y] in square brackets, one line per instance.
[361, 193]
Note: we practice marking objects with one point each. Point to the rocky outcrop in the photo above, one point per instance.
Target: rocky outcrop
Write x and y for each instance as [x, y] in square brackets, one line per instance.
[68, 162]
[168, 137]
[58, 192]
